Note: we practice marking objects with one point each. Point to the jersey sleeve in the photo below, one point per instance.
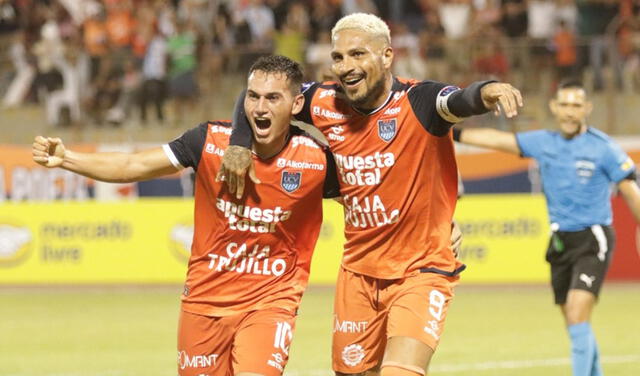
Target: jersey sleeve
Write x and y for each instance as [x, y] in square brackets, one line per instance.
[531, 143]
[331, 185]
[186, 150]
[241, 134]
[308, 90]
[617, 164]
[438, 106]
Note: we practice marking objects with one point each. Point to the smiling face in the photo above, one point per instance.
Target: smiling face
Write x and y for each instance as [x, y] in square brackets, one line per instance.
[362, 65]
[269, 106]
[571, 108]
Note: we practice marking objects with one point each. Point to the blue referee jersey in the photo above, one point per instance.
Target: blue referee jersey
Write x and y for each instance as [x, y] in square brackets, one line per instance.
[577, 175]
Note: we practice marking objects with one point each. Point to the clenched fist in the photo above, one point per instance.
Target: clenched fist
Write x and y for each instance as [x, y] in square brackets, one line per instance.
[48, 152]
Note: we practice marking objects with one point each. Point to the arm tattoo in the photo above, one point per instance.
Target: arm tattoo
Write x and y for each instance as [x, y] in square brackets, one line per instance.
[236, 158]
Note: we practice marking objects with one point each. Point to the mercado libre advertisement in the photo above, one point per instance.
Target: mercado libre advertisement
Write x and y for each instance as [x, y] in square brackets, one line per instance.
[60, 228]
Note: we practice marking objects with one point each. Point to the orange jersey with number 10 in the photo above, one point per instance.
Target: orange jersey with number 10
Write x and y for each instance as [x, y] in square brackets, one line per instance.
[399, 181]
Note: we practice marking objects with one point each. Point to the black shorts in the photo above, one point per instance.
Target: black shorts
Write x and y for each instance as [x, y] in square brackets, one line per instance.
[579, 260]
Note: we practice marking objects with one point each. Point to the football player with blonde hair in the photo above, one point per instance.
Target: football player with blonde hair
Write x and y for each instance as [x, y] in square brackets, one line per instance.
[391, 138]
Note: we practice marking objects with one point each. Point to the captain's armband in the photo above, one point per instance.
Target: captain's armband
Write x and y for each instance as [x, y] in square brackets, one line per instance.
[442, 105]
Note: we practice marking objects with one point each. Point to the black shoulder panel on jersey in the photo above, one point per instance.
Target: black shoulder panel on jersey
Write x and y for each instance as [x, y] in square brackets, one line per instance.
[188, 147]
[224, 123]
[399, 85]
[423, 102]
[308, 91]
[331, 186]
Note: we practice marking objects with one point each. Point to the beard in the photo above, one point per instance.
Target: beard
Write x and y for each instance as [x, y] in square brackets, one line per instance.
[370, 96]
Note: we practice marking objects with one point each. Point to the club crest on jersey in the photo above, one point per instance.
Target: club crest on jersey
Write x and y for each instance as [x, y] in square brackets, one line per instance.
[291, 180]
[387, 129]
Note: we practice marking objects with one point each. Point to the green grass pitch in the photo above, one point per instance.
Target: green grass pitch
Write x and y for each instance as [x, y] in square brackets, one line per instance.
[495, 331]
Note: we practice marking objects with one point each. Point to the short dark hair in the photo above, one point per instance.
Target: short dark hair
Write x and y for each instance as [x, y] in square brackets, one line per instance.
[571, 83]
[281, 64]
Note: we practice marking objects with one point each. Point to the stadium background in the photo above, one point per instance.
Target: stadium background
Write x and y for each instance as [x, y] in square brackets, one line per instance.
[90, 273]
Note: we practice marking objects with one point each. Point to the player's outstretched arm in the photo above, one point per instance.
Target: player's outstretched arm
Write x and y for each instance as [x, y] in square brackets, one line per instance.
[108, 167]
[631, 193]
[488, 138]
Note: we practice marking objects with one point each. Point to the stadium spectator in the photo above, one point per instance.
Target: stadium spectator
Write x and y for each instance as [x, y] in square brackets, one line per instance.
[24, 74]
[281, 10]
[514, 24]
[121, 25]
[290, 40]
[566, 54]
[491, 61]
[96, 41]
[629, 44]
[594, 18]
[432, 43]
[261, 21]
[49, 51]
[567, 12]
[217, 50]
[117, 30]
[67, 99]
[324, 14]
[456, 17]
[407, 61]
[105, 90]
[250, 260]
[384, 132]
[318, 58]
[182, 51]
[130, 83]
[486, 15]
[577, 163]
[541, 15]
[9, 23]
[154, 77]
[255, 26]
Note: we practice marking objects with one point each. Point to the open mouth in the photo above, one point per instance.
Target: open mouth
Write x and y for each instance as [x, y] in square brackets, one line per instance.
[262, 123]
[352, 81]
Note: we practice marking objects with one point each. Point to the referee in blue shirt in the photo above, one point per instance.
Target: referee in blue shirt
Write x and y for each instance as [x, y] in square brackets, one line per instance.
[578, 165]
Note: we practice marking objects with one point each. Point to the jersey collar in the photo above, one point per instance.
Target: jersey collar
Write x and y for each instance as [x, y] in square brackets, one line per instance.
[395, 86]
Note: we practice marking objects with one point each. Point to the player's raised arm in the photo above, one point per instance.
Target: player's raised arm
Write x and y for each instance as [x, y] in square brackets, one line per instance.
[108, 167]
[438, 106]
[488, 138]
[237, 158]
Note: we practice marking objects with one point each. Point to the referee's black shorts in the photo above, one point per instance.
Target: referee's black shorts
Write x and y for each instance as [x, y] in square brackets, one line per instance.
[579, 260]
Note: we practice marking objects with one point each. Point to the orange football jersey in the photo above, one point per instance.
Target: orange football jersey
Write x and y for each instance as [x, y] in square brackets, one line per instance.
[398, 177]
[253, 253]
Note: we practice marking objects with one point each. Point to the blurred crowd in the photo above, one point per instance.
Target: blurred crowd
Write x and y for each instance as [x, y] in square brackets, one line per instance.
[106, 61]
